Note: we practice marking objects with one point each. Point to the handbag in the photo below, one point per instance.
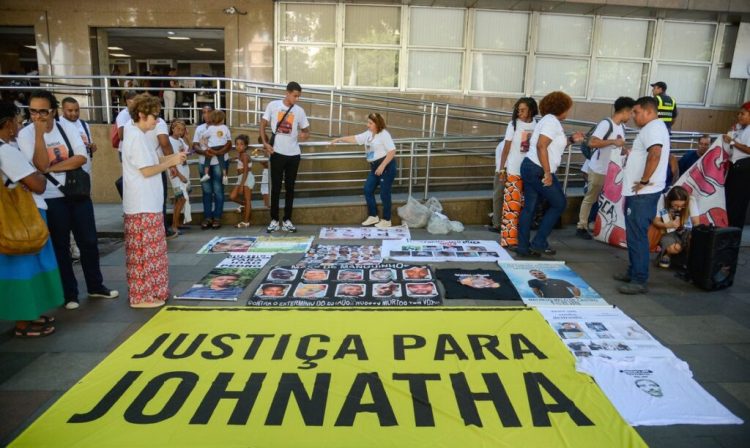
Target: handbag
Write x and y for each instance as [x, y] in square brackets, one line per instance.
[654, 237]
[77, 182]
[273, 134]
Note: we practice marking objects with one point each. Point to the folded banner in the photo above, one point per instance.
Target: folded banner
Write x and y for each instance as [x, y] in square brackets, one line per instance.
[365, 233]
[478, 284]
[545, 283]
[327, 255]
[339, 377]
[262, 244]
[228, 279]
[444, 250]
[609, 226]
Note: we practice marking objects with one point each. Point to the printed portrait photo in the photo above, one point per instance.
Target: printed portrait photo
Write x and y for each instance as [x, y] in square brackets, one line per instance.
[272, 290]
[478, 281]
[232, 244]
[425, 289]
[382, 274]
[386, 290]
[570, 330]
[311, 290]
[282, 275]
[417, 273]
[315, 275]
[350, 290]
[349, 275]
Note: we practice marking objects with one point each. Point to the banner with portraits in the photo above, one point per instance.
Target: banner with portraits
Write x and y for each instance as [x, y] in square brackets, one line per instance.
[550, 283]
[261, 244]
[228, 279]
[348, 285]
[333, 255]
[365, 233]
[435, 251]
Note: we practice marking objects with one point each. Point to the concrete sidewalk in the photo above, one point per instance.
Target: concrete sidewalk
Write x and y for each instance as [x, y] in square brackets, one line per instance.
[710, 331]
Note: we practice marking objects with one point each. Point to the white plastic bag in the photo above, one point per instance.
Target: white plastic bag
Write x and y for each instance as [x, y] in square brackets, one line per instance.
[457, 226]
[439, 224]
[414, 214]
[434, 205]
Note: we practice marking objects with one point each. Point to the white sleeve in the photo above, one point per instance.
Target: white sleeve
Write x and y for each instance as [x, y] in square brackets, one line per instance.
[13, 163]
[549, 128]
[601, 129]
[198, 134]
[509, 131]
[694, 210]
[268, 112]
[362, 138]
[387, 141]
[162, 128]
[228, 133]
[653, 137]
[122, 118]
[303, 123]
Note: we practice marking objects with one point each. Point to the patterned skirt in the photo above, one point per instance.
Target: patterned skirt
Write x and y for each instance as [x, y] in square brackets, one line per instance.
[146, 257]
[30, 284]
[512, 205]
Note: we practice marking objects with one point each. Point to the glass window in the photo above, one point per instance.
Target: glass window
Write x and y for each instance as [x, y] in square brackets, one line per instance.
[366, 67]
[625, 38]
[372, 25]
[565, 34]
[728, 44]
[497, 73]
[307, 64]
[435, 70]
[508, 31]
[615, 79]
[568, 75]
[686, 83]
[437, 27]
[727, 91]
[308, 23]
[687, 41]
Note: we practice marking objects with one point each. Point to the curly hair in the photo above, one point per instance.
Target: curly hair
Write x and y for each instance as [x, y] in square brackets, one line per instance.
[144, 104]
[174, 124]
[555, 103]
[530, 103]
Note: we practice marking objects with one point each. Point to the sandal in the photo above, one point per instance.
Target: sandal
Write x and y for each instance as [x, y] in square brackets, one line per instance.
[242, 225]
[206, 224]
[44, 321]
[33, 331]
[216, 224]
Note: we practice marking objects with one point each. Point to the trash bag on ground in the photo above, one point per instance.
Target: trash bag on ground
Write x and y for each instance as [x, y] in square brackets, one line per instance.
[457, 226]
[439, 224]
[434, 205]
[414, 214]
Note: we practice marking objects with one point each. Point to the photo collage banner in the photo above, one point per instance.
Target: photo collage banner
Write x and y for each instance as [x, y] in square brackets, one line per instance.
[228, 279]
[435, 251]
[327, 255]
[365, 233]
[260, 244]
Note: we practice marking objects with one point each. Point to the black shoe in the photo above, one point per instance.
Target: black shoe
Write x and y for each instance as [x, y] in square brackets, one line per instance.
[548, 251]
[525, 254]
[583, 233]
[633, 288]
[624, 277]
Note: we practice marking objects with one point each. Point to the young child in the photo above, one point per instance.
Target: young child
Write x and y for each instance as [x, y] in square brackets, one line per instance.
[243, 191]
[216, 137]
[180, 177]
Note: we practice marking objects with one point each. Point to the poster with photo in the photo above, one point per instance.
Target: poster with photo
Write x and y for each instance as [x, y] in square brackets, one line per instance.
[286, 244]
[350, 285]
[550, 283]
[228, 279]
[228, 244]
[603, 332]
[476, 284]
[245, 260]
[365, 233]
[337, 255]
[435, 251]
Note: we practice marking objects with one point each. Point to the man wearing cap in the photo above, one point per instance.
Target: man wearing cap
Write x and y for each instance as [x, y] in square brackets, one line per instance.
[667, 105]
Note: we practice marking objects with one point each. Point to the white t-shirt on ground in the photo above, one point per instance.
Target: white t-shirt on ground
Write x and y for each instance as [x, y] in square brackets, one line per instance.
[285, 142]
[152, 136]
[517, 135]
[654, 133]
[140, 194]
[56, 150]
[600, 159]
[178, 146]
[550, 127]
[123, 118]
[15, 166]
[743, 137]
[376, 146]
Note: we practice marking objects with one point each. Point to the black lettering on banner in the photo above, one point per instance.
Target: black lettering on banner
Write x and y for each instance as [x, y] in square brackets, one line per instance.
[466, 400]
[226, 349]
[518, 351]
[399, 345]
[540, 410]
[255, 344]
[218, 391]
[420, 400]
[353, 403]
[490, 344]
[281, 347]
[358, 348]
[312, 407]
[108, 400]
[171, 351]
[152, 348]
[306, 358]
[187, 381]
[442, 348]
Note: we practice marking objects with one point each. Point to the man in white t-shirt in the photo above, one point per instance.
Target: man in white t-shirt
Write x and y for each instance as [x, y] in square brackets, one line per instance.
[123, 118]
[288, 123]
[608, 136]
[644, 178]
[158, 139]
[213, 189]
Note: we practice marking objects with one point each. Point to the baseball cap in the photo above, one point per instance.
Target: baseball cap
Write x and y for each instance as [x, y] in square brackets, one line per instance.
[660, 84]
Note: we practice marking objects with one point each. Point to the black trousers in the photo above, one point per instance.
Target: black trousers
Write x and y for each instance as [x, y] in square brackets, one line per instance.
[737, 192]
[283, 168]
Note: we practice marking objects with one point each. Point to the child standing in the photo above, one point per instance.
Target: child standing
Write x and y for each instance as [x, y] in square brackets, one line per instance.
[215, 138]
[180, 176]
[243, 191]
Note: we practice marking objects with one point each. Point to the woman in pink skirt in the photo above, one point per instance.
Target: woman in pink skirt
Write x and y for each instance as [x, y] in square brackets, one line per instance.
[142, 201]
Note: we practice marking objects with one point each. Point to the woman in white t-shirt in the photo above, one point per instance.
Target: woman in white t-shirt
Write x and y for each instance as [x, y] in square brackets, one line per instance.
[517, 138]
[145, 243]
[676, 214]
[381, 155]
[546, 148]
[737, 185]
[180, 177]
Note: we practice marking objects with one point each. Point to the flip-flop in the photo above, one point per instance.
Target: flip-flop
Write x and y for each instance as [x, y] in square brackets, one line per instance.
[33, 331]
[44, 321]
[206, 224]
[216, 224]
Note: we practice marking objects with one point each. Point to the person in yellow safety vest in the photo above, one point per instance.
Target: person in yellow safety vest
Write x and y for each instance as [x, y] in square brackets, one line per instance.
[667, 105]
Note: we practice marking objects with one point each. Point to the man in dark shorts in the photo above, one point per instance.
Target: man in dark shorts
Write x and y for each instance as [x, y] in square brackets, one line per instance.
[552, 287]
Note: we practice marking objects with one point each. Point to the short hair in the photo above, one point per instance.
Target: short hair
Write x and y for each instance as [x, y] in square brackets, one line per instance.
[69, 100]
[129, 94]
[378, 120]
[624, 102]
[647, 102]
[555, 103]
[174, 124]
[8, 111]
[243, 138]
[207, 106]
[705, 136]
[218, 116]
[144, 104]
[293, 86]
[47, 95]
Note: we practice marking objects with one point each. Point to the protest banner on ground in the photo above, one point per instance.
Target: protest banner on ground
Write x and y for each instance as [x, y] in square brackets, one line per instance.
[479, 284]
[228, 279]
[328, 255]
[261, 244]
[550, 283]
[365, 233]
[430, 251]
[339, 377]
[228, 244]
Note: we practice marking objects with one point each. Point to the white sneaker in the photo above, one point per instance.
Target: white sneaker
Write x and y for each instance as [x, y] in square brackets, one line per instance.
[274, 226]
[72, 305]
[370, 221]
[383, 224]
[205, 178]
[288, 226]
[225, 180]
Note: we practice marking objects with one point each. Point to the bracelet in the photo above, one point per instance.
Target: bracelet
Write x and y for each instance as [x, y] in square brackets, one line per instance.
[644, 182]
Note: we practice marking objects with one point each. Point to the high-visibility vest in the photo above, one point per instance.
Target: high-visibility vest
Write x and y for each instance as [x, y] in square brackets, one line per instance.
[666, 108]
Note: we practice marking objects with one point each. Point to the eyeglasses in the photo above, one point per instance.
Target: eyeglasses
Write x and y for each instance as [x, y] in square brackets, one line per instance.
[40, 112]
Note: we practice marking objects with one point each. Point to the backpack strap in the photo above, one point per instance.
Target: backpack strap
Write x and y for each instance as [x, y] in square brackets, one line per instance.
[611, 129]
[70, 153]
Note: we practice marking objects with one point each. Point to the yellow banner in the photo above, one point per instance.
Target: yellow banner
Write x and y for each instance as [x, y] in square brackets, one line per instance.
[245, 377]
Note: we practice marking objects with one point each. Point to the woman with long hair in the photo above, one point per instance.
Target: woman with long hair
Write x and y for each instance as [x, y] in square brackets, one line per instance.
[676, 214]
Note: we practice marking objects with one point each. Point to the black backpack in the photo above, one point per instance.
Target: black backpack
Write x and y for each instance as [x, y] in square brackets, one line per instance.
[587, 150]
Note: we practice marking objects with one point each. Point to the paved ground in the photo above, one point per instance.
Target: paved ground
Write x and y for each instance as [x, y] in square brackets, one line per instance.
[711, 331]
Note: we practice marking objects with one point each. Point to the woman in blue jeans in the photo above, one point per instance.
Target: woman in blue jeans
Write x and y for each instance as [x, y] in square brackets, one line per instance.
[546, 149]
[381, 155]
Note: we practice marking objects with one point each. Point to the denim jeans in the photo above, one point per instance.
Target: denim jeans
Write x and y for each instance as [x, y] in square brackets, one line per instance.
[65, 216]
[533, 189]
[213, 193]
[640, 210]
[385, 181]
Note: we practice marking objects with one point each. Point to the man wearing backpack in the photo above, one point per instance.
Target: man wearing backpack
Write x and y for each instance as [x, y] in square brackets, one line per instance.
[607, 136]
